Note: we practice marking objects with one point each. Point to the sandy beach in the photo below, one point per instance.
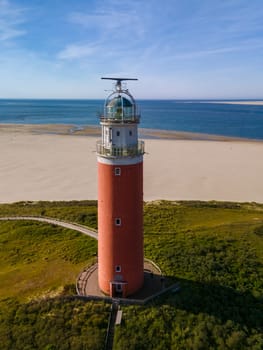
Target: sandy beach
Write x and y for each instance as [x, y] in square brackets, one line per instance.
[252, 103]
[54, 163]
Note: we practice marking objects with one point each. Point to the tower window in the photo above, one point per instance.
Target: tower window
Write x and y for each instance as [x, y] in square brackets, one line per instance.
[118, 221]
[130, 133]
[118, 268]
[117, 171]
[118, 133]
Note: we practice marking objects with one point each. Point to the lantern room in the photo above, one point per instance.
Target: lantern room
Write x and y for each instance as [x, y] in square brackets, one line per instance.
[120, 106]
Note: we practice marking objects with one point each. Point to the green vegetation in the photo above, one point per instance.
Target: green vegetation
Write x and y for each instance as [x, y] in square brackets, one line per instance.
[53, 324]
[84, 212]
[39, 264]
[214, 249]
[40, 259]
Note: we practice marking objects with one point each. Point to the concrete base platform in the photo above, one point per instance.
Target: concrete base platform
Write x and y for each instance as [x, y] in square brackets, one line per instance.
[154, 283]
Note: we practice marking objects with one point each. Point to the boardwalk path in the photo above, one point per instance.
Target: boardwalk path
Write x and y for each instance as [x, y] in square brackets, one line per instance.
[75, 227]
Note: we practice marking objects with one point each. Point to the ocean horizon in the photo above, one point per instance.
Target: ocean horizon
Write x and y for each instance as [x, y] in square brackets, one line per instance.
[197, 116]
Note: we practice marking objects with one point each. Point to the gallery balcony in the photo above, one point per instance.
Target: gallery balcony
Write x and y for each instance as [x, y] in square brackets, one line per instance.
[110, 118]
[120, 151]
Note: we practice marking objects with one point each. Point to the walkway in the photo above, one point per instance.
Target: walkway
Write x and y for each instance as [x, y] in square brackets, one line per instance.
[75, 227]
[87, 283]
[111, 325]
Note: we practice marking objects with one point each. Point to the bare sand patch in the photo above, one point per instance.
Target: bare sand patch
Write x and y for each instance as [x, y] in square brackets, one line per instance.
[47, 166]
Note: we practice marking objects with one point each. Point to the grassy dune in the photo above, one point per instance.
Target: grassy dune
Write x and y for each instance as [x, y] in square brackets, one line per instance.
[214, 249]
[40, 259]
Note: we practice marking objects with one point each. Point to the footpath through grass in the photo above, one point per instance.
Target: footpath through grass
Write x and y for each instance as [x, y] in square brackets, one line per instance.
[214, 249]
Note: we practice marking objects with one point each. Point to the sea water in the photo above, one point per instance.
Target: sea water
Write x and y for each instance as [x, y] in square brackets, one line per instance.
[187, 115]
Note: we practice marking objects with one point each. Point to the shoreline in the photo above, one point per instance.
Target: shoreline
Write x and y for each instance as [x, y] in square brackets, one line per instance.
[94, 131]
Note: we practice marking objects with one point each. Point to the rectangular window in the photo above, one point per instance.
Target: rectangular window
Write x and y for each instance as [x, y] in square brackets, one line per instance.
[118, 222]
[117, 171]
[118, 268]
[118, 133]
[130, 133]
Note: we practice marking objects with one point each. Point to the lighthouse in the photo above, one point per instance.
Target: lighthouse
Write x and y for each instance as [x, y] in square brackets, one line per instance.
[120, 195]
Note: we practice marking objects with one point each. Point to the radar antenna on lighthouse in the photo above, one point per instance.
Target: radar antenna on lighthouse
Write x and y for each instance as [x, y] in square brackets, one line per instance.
[118, 85]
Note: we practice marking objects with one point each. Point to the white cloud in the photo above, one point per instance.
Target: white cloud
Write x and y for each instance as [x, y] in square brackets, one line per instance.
[112, 20]
[11, 17]
[191, 53]
[204, 53]
[77, 51]
[114, 33]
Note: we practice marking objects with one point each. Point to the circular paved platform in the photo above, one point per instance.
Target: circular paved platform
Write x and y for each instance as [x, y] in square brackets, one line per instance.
[154, 282]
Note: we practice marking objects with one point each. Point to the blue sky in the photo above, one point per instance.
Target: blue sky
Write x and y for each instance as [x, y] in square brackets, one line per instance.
[176, 48]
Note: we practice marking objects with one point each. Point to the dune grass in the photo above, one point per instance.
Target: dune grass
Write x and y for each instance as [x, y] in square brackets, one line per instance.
[39, 264]
[38, 259]
[214, 249]
[83, 212]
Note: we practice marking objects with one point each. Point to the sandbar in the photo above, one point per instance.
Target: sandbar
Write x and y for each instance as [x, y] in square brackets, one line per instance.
[253, 103]
[59, 163]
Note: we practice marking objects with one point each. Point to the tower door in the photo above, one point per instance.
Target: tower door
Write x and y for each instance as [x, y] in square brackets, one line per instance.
[107, 136]
[118, 289]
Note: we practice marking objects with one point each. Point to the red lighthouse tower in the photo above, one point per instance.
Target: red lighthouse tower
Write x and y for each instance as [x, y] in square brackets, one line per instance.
[120, 196]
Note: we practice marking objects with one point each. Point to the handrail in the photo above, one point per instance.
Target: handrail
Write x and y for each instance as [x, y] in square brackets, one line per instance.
[153, 264]
[111, 325]
[120, 151]
[74, 226]
[111, 118]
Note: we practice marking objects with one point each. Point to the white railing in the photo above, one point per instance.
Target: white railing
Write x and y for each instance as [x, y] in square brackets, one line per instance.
[113, 118]
[120, 151]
